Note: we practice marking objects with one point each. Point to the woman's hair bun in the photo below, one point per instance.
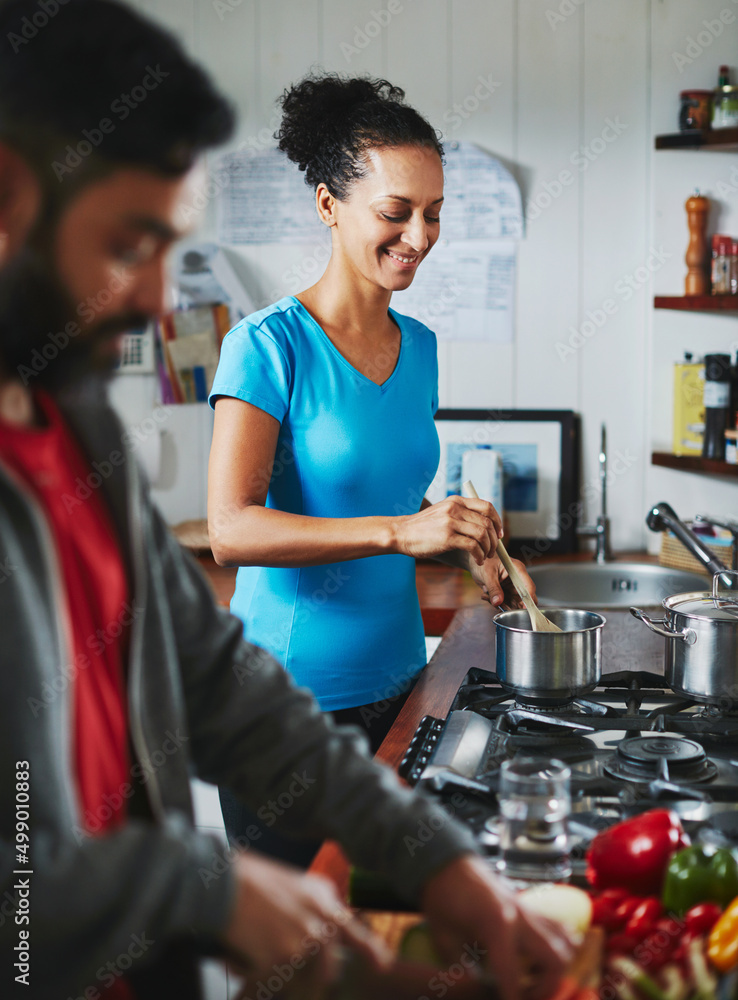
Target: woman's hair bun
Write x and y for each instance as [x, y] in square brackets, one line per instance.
[329, 122]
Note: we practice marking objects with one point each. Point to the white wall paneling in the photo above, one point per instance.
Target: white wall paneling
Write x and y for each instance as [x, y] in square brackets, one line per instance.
[561, 72]
[615, 301]
[550, 93]
[483, 53]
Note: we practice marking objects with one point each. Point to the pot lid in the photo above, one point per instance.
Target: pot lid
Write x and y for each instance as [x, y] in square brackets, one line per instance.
[703, 605]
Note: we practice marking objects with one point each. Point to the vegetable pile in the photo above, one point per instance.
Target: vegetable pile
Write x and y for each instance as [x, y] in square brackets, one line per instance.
[669, 910]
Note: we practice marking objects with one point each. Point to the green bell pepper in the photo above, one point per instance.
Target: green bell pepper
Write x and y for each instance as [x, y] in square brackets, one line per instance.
[696, 876]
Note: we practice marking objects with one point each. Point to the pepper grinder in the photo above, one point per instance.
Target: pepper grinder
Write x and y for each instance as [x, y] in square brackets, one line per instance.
[696, 282]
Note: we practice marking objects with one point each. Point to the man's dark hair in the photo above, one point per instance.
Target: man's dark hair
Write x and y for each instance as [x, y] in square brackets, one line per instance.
[86, 84]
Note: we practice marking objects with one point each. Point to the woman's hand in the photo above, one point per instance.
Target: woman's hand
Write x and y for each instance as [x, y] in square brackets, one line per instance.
[471, 913]
[453, 524]
[493, 578]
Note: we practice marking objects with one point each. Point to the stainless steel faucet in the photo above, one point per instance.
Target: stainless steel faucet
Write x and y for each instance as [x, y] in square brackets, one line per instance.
[730, 526]
[600, 531]
[662, 517]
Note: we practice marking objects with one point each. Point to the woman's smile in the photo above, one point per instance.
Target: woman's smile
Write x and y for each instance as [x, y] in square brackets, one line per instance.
[402, 261]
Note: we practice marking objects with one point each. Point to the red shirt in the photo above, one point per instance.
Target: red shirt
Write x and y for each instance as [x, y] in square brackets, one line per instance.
[97, 609]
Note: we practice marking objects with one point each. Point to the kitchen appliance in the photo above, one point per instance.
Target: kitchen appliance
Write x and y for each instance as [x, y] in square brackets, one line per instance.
[549, 667]
[701, 632]
[631, 744]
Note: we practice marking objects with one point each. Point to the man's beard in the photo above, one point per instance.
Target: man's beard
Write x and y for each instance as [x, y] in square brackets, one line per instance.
[43, 341]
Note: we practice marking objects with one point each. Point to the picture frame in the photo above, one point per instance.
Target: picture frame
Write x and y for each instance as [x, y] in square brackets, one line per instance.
[539, 463]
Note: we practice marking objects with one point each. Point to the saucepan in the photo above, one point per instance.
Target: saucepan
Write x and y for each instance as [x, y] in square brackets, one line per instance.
[549, 667]
[701, 633]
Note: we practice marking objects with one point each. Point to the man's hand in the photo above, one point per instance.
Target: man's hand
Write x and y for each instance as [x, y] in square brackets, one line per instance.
[284, 917]
[495, 583]
[469, 909]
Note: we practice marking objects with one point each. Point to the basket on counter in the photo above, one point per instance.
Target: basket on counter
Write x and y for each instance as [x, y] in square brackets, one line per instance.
[675, 555]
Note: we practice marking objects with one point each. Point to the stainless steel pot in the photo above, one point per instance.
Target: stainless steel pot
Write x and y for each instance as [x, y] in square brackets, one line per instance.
[701, 632]
[549, 667]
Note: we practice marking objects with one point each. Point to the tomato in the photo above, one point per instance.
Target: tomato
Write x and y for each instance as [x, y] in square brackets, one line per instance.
[680, 952]
[603, 914]
[670, 926]
[643, 918]
[620, 944]
[625, 910]
[702, 918]
[615, 896]
[655, 950]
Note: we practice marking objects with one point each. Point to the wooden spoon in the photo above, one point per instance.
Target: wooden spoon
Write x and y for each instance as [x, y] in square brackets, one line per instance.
[538, 621]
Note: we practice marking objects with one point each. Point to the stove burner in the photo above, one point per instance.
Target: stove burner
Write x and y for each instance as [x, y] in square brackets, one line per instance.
[665, 758]
[544, 706]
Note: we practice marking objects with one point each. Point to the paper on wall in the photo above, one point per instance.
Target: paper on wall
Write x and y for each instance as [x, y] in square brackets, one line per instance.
[481, 197]
[265, 200]
[464, 291]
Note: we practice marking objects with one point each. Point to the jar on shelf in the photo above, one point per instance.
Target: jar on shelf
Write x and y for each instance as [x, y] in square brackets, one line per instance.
[721, 264]
[695, 111]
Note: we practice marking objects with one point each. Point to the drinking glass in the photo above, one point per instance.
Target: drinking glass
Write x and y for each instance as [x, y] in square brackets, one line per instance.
[535, 802]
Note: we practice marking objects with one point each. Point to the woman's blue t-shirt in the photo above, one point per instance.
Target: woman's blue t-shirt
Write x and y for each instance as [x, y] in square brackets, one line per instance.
[347, 447]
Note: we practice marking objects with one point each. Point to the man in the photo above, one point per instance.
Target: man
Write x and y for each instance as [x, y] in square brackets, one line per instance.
[120, 677]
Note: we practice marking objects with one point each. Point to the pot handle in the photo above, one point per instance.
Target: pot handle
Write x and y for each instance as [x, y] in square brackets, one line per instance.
[716, 581]
[687, 635]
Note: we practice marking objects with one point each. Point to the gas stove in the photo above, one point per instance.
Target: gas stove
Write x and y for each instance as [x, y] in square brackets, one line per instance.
[631, 744]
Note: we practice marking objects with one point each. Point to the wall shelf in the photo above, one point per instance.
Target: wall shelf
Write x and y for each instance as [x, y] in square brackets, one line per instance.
[718, 140]
[715, 140]
[694, 463]
[697, 303]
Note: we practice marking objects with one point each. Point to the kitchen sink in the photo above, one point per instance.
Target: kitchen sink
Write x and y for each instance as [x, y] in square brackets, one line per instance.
[611, 585]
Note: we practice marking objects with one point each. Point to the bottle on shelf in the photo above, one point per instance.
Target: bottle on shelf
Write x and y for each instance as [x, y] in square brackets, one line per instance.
[689, 406]
[696, 281]
[721, 264]
[725, 102]
[717, 405]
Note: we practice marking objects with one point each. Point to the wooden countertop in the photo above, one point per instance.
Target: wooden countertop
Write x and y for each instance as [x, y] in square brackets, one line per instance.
[470, 642]
[442, 590]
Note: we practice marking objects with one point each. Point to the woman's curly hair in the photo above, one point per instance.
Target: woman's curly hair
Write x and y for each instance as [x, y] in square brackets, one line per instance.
[330, 122]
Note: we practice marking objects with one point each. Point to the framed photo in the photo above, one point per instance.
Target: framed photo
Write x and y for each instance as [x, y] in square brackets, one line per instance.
[527, 461]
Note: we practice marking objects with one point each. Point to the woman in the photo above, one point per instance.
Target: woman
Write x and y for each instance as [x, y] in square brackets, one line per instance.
[324, 434]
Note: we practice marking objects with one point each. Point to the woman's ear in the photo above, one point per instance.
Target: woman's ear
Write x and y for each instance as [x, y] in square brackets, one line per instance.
[325, 202]
[20, 198]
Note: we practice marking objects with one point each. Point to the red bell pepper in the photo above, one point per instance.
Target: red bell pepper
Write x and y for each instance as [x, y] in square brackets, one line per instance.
[634, 854]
